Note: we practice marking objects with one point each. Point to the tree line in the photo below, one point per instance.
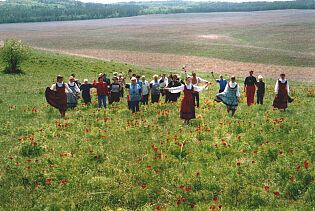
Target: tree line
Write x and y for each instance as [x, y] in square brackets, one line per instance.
[15, 11]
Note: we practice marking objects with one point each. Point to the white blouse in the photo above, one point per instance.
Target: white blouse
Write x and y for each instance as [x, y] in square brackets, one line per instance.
[76, 88]
[232, 85]
[68, 90]
[199, 80]
[188, 86]
[277, 85]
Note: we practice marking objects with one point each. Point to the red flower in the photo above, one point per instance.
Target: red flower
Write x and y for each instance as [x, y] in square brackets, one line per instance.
[220, 206]
[63, 181]
[281, 152]
[148, 167]
[156, 171]
[48, 181]
[178, 201]
[238, 164]
[158, 207]
[187, 189]
[276, 193]
[291, 150]
[184, 199]
[255, 151]
[212, 208]
[266, 187]
[198, 173]
[192, 206]
[297, 168]
[291, 178]
[181, 187]
[215, 199]
[253, 161]
[144, 187]
[29, 167]
[35, 144]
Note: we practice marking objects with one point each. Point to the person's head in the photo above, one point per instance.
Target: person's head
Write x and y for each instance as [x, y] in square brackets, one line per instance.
[73, 75]
[71, 79]
[138, 77]
[174, 77]
[233, 78]
[221, 77]
[188, 80]
[115, 79]
[163, 75]
[282, 76]
[133, 80]
[260, 78]
[143, 78]
[251, 72]
[100, 79]
[115, 73]
[59, 78]
[155, 77]
[104, 75]
[119, 75]
[86, 81]
[134, 74]
[194, 74]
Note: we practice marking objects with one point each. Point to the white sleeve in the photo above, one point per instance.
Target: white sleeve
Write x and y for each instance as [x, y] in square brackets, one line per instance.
[76, 88]
[53, 87]
[202, 81]
[238, 91]
[199, 88]
[176, 89]
[226, 87]
[277, 87]
[288, 88]
[67, 88]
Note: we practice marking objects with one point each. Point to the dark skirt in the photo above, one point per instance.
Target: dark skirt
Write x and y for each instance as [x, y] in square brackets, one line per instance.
[56, 99]
[86, 96]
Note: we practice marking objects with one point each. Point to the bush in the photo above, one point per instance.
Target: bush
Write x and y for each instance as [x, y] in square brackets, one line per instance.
[12, 54]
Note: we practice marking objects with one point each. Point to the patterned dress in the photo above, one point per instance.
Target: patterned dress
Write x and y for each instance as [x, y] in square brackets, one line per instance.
[58, 98]
[72, 101]
[228, 97]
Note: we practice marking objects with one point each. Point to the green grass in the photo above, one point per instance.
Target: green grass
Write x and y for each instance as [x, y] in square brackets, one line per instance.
[114, 148]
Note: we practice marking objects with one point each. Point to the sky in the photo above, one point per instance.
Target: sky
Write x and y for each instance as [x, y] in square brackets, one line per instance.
[114, 1]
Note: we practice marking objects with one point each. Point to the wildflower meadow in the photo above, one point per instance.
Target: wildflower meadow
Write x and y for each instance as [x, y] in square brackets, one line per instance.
[110, 159]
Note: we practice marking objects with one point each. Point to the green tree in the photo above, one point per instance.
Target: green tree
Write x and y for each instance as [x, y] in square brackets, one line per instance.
[12, 53]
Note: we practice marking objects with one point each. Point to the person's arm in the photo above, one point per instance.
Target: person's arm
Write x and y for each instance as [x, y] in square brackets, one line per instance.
[53, 87]
[176, 89]
[202, 81]
[245, 82]
[288, 88]
[68, 89]
[200, 88]
[76, 88]
[238, 91]
[277, 87]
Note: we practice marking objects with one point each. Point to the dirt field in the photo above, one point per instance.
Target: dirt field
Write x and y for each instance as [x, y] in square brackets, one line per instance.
[175, 62]
[269, 41]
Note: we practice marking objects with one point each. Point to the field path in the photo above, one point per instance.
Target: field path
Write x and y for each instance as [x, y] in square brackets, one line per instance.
[203, 64]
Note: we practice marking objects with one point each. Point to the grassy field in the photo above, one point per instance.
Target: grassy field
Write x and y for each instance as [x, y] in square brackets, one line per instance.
[108, 159]
[283, 37]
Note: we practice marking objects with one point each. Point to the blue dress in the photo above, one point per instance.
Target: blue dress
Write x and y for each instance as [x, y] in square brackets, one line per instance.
[229, 97]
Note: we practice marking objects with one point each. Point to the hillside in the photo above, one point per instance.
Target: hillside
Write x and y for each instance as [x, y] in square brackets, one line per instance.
[15, 11]
[108, 159]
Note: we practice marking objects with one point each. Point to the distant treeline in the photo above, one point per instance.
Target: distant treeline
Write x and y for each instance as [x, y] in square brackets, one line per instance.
[14, 11]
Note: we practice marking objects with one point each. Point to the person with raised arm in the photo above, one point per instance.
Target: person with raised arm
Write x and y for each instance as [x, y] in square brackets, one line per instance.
[102, 91]
[221, 81]
[230, 96]
[195, 81]
[187, 109]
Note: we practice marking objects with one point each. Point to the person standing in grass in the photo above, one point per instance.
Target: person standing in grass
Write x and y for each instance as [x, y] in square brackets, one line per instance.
[85, 88]
[249, 87]
[115, 89]
[56, 95]
[135, 94]
[282, 93]
[174, 83]
[145, 91]
[222, 82]
[72, 100]
[195, 81]
[260, 90]
[187, 109]
[155, 89]
[230, 96]
[121, 81]
[102, 91]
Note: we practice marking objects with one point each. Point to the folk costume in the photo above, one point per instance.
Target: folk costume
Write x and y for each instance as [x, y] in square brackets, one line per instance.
[250, 82]
[282, 94]
[72, 101]
[195, 81]
[85, 88]
[187, 108]
[56, 96]
[229, 96]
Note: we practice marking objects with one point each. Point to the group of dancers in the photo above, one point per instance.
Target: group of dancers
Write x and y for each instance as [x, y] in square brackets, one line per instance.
[65, 95]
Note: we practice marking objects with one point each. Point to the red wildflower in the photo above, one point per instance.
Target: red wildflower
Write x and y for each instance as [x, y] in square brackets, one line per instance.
[238, 164]
[266, 187]
[188, 189]
[291, 178]
[63, 181]
[198, 173]
[253, 161]
[156, 171]
[215, 199]
[144, 187]
[35, 144]
[276, 193]
[181, 187]
[158, 207]
[29, 167]
[255, 151]
[297, 168]
[48, 181]
[220, 206]
[51, 166]
[192, 206]
[212, 208]
[184, 199]
[148, 167]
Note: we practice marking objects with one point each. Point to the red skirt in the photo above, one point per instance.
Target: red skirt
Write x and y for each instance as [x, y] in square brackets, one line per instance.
[281, 101]
[187, 108]
[56, 99]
